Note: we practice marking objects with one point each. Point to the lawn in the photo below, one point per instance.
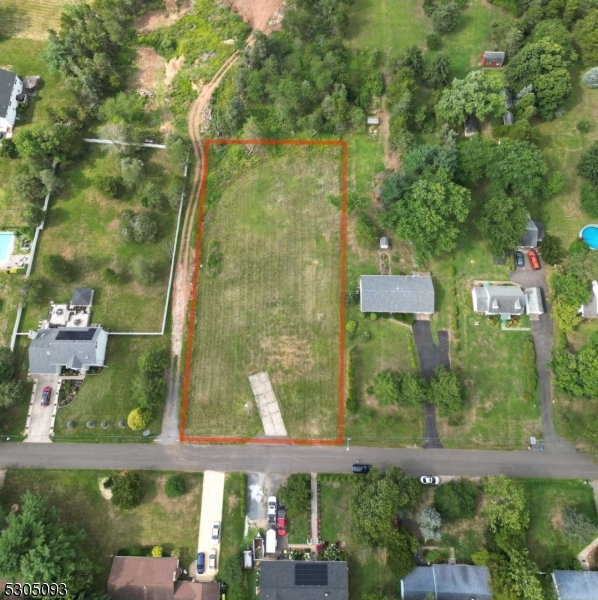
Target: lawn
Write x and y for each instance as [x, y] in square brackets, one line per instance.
[9, 302]
[367, 567]
[275, 304]
[233, 516]
[83, 226]
[546, 500]
[107, 396]
[30, 19]
[171, 523]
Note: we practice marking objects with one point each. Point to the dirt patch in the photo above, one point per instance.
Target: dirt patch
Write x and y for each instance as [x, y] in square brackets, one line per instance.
[232, 502]
[289, 351]
[161, 18]
[258, 14]
[106, 492]
[150, 65]
[556, 518]
[391, 156]
[381, 556]
[173, 66]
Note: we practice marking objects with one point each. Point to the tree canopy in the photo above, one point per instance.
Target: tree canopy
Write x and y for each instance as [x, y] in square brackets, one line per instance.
[503, 222]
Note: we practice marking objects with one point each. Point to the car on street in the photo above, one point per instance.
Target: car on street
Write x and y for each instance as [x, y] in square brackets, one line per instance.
[363, 469]
[281, 521]
[534, 261]
[519, 259]
[212, 560]
[201, 563]
[429, 479]
[216, 532]
[46, 395]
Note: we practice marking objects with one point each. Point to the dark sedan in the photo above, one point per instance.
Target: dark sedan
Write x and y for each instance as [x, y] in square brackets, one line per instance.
[519, 259]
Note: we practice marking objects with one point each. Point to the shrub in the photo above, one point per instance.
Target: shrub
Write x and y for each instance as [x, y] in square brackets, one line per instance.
[127, 491]
[588, 164]
[446, 392]
[577, 526]
[139, 419]
[365, 232]
[175, 486]
[215, 257]
[352, 405]
[531, 380]
[526, 397]
[110, 186]
[366, 335]
[430, 524]
[157, 551]
[352, 297]
[529, 353]
[481, 557]
[591, 78]
[109, 275]
[433, 41]
[8, 149]
[552, 249]
[584, 125]
[456, 499]
[588, 199]
[554, 184]
[373, 316]
[145, 270]
[387, 387]
[351, 326]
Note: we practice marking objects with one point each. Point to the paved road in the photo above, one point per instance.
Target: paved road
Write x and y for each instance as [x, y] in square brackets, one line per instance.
[295, 459]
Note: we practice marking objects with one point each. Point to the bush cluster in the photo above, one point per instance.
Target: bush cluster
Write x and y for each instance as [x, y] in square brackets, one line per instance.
[215, 258]
[352, 404]
[175, 486]
[456, 499]
[529, 361]
[11, 390]
[127, 490]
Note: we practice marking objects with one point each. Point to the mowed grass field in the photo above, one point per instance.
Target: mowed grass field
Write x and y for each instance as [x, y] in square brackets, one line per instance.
[29, 19]
[275, 306]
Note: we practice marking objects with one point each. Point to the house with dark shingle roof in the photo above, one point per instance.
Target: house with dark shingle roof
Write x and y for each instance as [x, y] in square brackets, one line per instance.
[10, 87]
[447, 582]
[501, 300]
[304, 580]
[410, 294]
[82, 296]
[576, 585]
[534, 233]
[148, 578]
[77, 348]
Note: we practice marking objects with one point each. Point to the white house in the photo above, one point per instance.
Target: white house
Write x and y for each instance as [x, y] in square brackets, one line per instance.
[501, 300]
[10, 87]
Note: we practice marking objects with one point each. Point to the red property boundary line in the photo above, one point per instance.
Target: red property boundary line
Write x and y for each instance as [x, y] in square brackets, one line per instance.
[193, 306]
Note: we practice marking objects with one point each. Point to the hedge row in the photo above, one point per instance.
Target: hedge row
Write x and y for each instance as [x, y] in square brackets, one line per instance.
[531, 375]
[335, 477]
[352, 404]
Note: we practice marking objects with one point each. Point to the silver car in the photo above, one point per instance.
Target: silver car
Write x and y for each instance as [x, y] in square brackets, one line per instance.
[429, 480]
[216, 533]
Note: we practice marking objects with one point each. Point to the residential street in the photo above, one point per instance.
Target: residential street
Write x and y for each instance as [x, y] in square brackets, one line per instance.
[290, 459]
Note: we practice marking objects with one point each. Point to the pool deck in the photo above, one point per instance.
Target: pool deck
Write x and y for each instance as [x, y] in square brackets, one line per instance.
[15, 261]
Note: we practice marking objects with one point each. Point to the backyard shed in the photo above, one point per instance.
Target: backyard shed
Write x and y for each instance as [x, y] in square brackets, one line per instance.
[492, 59]
[384, 245]
[82, 296]
[412, 294]
[373, 121]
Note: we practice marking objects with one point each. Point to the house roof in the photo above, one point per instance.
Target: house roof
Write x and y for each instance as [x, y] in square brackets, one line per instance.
[205, 590]
[530, 238]
[576, 585]
[540, 226]
[71, 347]
[447, 582]
[590, 309]
[142, 578]
[533, 301]
[498, 299]
[82, 296]
[508, 118]
[7, 82]
[397, 293]
[298, 580]
[492, 56]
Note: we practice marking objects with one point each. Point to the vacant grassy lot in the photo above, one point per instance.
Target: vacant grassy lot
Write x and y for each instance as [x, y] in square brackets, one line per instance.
[367, 567]
[107, 396]
[172, 523]
[9, 302]
[233, 515]
[29, 19]
[83, 226]
[275, 304]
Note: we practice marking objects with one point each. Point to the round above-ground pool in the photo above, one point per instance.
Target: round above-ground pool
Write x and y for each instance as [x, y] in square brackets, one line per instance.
[589, 234]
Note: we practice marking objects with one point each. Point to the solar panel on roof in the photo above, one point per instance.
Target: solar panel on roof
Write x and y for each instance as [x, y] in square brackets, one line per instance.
[83, 335]
[307, 573]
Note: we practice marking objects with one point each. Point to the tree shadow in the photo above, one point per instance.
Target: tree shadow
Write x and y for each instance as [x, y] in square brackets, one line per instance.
[14, 20]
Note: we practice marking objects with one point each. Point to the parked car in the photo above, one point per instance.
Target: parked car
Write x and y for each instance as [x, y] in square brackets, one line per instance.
[281, 522]
[272, 506]
[519, 259]
[46, 395]
[216, 533]
[201, 563]
[212, 560]
[363, 469]
[534, 261]
[429, 479]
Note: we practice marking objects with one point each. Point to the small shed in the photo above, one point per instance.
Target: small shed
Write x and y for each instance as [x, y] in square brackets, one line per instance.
[508, 118]
[373, 121]
[247, 560]
[30, 84]
[384, 245]
[471, 127]
[492, 59]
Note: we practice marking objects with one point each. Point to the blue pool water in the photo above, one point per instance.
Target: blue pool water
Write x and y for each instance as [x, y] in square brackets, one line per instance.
[6, 246]
[589, 234]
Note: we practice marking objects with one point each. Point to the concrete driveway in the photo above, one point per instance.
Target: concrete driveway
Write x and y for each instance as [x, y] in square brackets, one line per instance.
[212, 498]
[40, 417]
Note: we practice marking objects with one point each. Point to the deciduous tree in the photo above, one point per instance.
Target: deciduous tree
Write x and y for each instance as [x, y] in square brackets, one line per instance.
[503, 222]
[127, 491]
[446, 392]
[505, 504]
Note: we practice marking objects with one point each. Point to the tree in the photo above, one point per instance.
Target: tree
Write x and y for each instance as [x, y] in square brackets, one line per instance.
[590, 78]
[127, 491]
[51, 181]
[26, 185]
[577, 374]
[138, 228]
[477, 95]
[177, 149]
[55, 142]
[588, 199]
[32, 214]
[387, 387]
[456, 499]
[175, 486]
[231, 573]
[555, 31]
[503, 222]
[36, 546]
[139, 419]
[157, 551]
[430, 524]
[7, 363]
[365, 232]
[569, 288]
[127, 108]
[445, 17]
[430, 214]
[587, 167]
[11, 393]
[110, 185]
[473, 155]
[393, 188]
[446, 392]
[401, 547]
[152, 197]
[413, 390]
[506, 505]
[296, 494]
[59, 266]
[8, 149]
[586, 35]
[543, 65]
[131, 170]
[438, 71]
[552, 249]
[145, 270]
[565, 315]
[410, 58]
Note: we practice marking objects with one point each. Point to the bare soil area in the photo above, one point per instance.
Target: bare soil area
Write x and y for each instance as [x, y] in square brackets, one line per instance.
[257, 13]
[150, 67]
[161, 18]
[173, 66]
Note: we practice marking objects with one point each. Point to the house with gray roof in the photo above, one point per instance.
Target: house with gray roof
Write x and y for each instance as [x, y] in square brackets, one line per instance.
[10, 87]
[590, 309]
[77, 348]
[410, 294]
[82, 297]
[500, 300]
[576, 585]
[534, 233]
[304, 580]
[447, 582]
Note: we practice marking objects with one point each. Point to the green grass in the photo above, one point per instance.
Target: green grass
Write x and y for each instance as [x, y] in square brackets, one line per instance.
[30, 19]
[367, 567]
[107, 396]
[275, 305]
[546, 500]
[298, 525]
[172, 523]
[9, 302]
[83, 226]
[233, 515]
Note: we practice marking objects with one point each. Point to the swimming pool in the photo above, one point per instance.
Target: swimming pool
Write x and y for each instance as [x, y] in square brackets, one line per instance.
[6, 245]
[589, 234]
